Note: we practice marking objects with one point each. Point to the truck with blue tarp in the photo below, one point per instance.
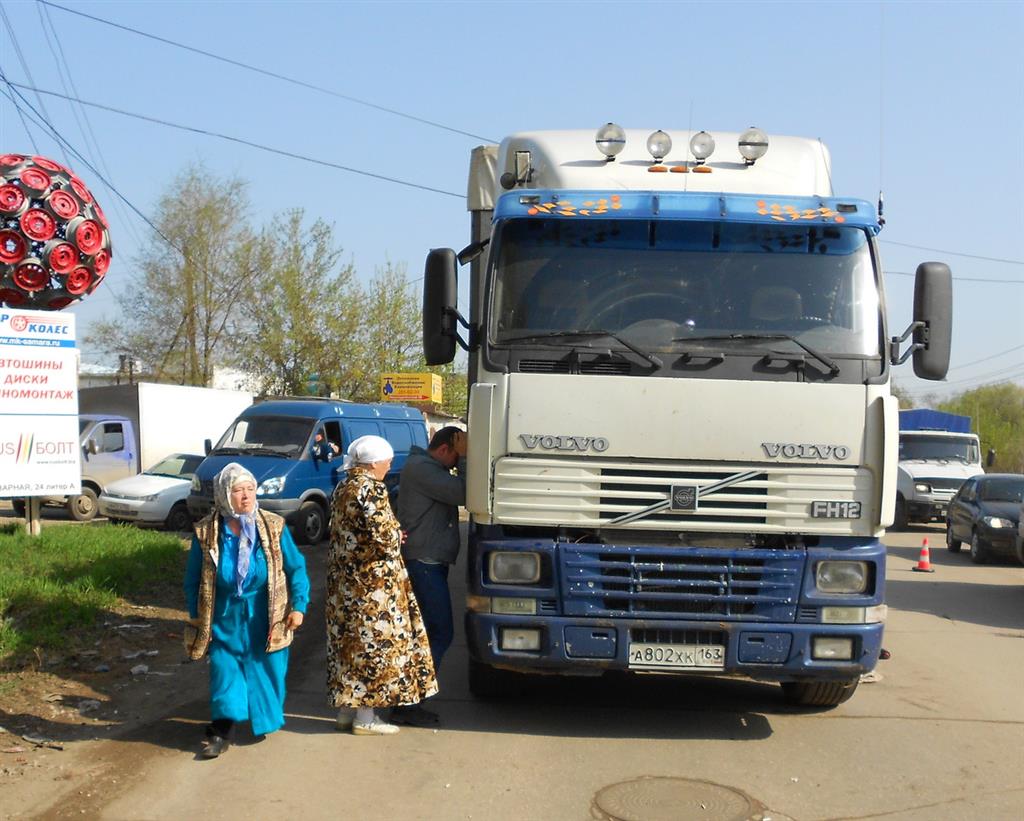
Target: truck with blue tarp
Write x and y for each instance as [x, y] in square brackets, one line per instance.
[938, 453]
[682, 441]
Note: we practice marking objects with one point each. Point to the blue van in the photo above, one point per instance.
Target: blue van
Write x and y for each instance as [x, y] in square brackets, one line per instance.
[276, 442]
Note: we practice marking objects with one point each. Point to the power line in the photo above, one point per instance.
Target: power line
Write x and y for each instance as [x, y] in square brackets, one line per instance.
[986, 359]
[267, 73]
[93, 145]
[960, 279]
[279, 151]
[953, 253]
[21, 57]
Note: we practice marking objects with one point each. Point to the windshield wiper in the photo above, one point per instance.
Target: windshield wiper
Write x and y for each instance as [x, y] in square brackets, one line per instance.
[552, 335]
[228, 451]
[824, 360]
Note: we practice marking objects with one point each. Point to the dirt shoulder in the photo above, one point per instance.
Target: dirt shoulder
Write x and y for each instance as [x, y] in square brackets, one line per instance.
[116, 676]
[78, 728]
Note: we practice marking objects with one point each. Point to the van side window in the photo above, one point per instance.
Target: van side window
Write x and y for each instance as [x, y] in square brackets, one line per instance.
[354, 429]
[333, 431]
[397, 433]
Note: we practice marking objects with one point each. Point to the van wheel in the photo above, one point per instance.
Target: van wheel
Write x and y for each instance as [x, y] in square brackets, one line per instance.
[19, 507]
[83, 506]
[178, 520]
[819, 693]
[312, 523]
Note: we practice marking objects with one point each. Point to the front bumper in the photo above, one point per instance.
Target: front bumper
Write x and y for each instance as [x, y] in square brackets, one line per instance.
[769, 652]
[133, 510]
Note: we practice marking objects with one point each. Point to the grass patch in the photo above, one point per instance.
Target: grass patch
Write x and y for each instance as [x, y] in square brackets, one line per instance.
[54, 585]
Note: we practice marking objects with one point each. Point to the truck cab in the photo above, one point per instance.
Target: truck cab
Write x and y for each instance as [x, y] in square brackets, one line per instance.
[682, 442]
[937, 454]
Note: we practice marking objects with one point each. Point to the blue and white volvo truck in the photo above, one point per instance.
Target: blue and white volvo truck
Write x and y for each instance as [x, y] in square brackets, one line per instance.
[683, 447]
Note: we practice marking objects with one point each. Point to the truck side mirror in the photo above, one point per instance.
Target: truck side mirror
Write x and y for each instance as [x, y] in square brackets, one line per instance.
[91, 446]
[207, 446]
[440, 300]
[990, 459]
[933, 308]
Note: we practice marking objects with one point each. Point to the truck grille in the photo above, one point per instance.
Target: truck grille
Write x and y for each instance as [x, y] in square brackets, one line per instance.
[593, 493]
[659, 582]
[943, 483]
[597, 368]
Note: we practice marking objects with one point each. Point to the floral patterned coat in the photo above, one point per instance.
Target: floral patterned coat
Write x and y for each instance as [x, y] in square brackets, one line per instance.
[377, 649]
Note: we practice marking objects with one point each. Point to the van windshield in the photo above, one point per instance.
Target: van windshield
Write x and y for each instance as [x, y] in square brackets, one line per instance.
[283, 436]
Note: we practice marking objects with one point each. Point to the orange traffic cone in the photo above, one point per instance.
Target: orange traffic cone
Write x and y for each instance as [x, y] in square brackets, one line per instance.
[924, 564]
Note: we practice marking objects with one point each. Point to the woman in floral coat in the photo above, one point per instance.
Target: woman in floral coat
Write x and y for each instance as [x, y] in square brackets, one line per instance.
[377, 649]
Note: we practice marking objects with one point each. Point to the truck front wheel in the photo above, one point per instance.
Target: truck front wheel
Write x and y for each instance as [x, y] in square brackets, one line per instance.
[312, 523]
[83, 506]
[819, 693]
[489, 682]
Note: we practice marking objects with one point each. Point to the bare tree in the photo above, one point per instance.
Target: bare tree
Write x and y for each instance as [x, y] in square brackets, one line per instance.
[183, 299]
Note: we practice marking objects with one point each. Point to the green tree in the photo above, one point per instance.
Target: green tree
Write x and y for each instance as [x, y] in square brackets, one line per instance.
[905, 400]
[179, 310]
[389, 337]
[997, 415]
[303, 312]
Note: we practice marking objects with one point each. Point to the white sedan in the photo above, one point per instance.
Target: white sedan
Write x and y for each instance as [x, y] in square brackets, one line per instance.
[156, 497]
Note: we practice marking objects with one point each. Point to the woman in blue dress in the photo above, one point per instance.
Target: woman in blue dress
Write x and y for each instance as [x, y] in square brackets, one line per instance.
[247, 591]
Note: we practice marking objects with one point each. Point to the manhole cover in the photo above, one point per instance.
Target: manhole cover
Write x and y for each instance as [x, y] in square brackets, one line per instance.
[674, 799]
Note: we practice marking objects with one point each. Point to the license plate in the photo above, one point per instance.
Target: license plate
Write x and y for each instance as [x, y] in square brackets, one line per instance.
[647, 656]
[121, 510]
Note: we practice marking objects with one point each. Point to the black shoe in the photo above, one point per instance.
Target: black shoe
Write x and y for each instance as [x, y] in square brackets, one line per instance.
[213, 746]
[414, 715]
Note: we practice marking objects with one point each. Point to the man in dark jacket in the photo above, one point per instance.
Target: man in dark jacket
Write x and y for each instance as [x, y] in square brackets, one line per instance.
[428, 509]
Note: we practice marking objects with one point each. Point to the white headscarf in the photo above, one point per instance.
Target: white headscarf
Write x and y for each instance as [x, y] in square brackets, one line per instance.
[366, 450]
[232, 474]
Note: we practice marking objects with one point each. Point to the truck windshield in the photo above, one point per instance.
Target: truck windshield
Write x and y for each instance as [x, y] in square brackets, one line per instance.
[284, 436]
[922, 446]
[659, 283]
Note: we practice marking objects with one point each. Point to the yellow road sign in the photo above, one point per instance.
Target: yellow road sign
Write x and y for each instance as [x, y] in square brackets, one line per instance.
[410, 387]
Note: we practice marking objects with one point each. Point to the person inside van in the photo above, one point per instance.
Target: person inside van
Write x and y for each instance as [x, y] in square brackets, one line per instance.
[323, 448]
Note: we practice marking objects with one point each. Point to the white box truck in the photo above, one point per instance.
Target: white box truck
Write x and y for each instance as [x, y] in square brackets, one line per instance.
[683, 445]
[938, 453]
[125, 429]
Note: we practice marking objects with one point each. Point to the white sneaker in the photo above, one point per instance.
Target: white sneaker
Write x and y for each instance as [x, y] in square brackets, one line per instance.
[375, 727]
[346, 715]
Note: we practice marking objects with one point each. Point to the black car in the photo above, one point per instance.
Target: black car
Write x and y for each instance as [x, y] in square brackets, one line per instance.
[986, 513]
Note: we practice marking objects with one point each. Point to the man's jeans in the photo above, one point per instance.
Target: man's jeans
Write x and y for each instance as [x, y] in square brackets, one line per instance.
[430, 584]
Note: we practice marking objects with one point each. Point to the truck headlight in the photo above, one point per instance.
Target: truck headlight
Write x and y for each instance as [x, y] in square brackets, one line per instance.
[513, 567]
[196, 484]
[271, 486]
[841, 577]
[921, 487]
[996, 521]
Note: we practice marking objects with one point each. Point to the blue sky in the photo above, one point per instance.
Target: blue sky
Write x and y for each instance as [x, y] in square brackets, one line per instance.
[922, 100]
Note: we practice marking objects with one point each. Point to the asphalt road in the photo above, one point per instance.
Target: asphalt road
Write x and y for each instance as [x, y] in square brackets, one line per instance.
[939, 735]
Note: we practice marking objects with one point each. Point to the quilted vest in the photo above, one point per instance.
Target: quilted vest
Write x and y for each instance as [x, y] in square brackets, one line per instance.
[269, 527]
